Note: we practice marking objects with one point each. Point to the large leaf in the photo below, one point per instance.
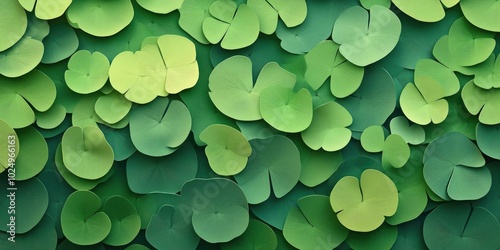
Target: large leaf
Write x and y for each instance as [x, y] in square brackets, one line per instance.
[258, 236]
[33, 154]
[50, 9]
[125, 222]
[483, 14]
[14, 23]
[488, 140]
[21, 58]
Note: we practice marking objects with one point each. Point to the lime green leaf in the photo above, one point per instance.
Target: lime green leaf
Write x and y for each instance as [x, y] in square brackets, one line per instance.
[424, 11]
[193, 13]
[107, 18]
[377, 32]
[87, 72]
[293, 13]
[483, 14]
[32, 155]
[362, 205]
[50, 9]
[227, 149]
[421, 110]
[82, 222]
[487, 74]
[395, 152]
[21, 58]
[159, 6]
[11, 143]
[413, 134]
[112, 107]
[372, 139]
[328, 128]
[14, 23]
[482, 102]
[86, 153]
[125, 222]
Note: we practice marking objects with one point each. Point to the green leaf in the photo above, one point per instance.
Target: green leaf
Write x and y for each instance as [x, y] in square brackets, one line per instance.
[86, 153]
[43, 236]
[487, 74]
[421, 110]
[424, 11]
[482, 102]
[108, 17]
[227, 149]
[443, 76]
[413, 134]
[275, 161]
[292, 13]
[328, 128]
[313, 224]
[483, 15]
[395, 152]
[125, 222]
[112, 107]
[87, 72]
[453, 168]
[11, 143]
[488, 139]
[286, 110]
[458, 225]
[27, 214]
[232, 90]
[382, 238]
[372, 139]
[21, 58]
[220, 209]
[258, 236]
[148, 205]
[366, 38]
[14, 23]
[164, 174]
[362, 205]
[170, 228]
[159, 6]
[32, 155]
[325, 61]
[193, 13]
[158, 128]
[50, 9]
[82, 222]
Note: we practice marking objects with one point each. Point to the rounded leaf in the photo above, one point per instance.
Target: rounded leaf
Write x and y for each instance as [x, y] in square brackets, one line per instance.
[125, 222]
[14, 23]
[87, 72]
[483, 14]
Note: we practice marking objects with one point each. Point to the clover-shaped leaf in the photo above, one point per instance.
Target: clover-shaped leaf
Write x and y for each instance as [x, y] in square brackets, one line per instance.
[424, 104]
[483, 14]
[220, 209]
[291, 12]
[328, 128]
[232, 90]
[14, 23]
[82, 221]
[160, 127]
[482, 102]
[424, 11]
[362, 205]
[108, 17]
[125, 222]
[458, 225]
[86, 153]
[313, 224]
[364, 37]
[325, 61]
[227, 149]
[453, 168]
[19, 96]
[413, 134]
[87, 72]
[487, 74]
[275, 161]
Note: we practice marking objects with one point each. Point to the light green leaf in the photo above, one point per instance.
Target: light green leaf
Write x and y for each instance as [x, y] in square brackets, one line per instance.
[21, 58]
[395, 152]
[87, 72]
[112, 107]
[424, 11]
[482, 14]
[50, 9]
[372, 139]
[291, 12]
[14, 23]
[483, 102]
[160, 6]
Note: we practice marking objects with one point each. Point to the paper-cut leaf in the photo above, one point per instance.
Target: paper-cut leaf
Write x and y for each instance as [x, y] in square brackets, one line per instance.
[86, 153]
[125, 222]
[170, 228]
[382, 238]
[227, 149]
[313, 224]
[292, 13]
[372, 139]
[220, 209]
[232, 90]
[482, 102]
[158, 128]
[362, 205]
[396, 151]
[159, 6]
[50, 9]
[32, 155]
[366, 38]
[325, 61]
[107, 18]
[487, 74]
[413, 134]
[193, 13]
[421, 110]
[82, 222]
[11, 143]
[274, 161]
[21, 58]
[87, 72]
[112, 107]
[482, 14]
[148, 205]
[453, 168]
[165, 174]
[14, 23]
[424, 11]
[258, 236]
[328, 128]
[458, 225]
[488, 140]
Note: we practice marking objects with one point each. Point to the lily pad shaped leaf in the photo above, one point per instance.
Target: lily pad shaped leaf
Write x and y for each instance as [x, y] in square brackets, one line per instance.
[100, 18]
[8, 146]
[291, 12]
[227, 149]
[87, 72]
[486, 103]
[14, 23]
[18, 97]
[362, 205]
[454, 168]
[112, 107]
[313, 224]
[325, 61]
[286, 110]
[21, 58]
[50, 9]
[424, 11]
[160, 127]
[488, 140]
[33, 153]
[484, 14]
[413, 134]
[160, 6]
[220, 209]
[82, 222]
[328, 128]
[232, 90]
[487, 74]
[366, 38]
[276, 161]
[86, 153]
[468, 44]
[258, 236]
[169, 227]
[125, 222]
[372, 139]
[396, 151]
[234, 28]
[459, 226]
